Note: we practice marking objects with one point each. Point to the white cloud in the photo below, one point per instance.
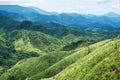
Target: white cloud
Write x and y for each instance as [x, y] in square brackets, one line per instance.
[12, 1]
[21, 1]
[102, 1]
[78, 6]
[116, 6]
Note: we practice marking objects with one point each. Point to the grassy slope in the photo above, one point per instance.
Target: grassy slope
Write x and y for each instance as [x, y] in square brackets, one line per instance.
[101, 64]
[109, 70]
[26, 46]
[46, 64]
[62, 64]
[34, 41]
[22, 44]
[32, 66]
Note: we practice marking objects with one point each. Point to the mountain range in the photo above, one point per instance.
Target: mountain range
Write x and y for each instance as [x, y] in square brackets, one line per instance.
[109, 21]
[40, 45]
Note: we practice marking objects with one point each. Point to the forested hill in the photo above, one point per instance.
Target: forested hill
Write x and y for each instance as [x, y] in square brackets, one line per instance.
[40, 45]
[97, 61]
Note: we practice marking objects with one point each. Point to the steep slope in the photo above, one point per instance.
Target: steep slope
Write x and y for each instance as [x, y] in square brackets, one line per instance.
[65, 62]
[51, 49]
[47, 65]
[22, 44]
[100, 64]
[31, 66]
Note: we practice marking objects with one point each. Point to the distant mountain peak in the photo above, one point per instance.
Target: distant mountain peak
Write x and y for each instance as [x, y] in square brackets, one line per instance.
[25, 10]
[16, 9]
[40, 11]
[112, 14]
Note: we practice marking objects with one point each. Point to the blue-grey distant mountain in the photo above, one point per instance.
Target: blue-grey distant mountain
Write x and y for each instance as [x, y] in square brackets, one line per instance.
[112, 14]
[110, 21]
[41, 11]
[12, 15]
[17, 9]
[22, 10]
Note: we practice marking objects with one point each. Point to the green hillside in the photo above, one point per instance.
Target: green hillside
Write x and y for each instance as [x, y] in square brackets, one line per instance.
[34, 41]
[81, 63]
[9, 56]
[100, 64]
[31, 66]
[65, 62]
[52, 51]
[54, 29]
[21, 44]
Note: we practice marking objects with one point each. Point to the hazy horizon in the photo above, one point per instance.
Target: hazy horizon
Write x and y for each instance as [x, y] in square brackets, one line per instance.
[97, 7]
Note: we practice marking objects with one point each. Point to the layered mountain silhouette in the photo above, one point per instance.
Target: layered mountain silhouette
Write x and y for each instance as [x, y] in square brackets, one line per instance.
[108, 21]
[40, 45]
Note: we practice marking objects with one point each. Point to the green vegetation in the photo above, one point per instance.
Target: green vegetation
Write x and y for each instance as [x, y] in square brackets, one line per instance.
[20, 44]
[100, 64]
[31, 66]
[51, 51]
[66, 64]
[34, 41]
[62, 64]
[25, 46]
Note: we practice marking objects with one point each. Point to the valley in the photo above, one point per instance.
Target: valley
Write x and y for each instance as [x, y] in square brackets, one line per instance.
[39, 45]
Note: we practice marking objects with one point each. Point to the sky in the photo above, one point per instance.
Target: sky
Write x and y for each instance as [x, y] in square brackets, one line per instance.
[70, 6]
